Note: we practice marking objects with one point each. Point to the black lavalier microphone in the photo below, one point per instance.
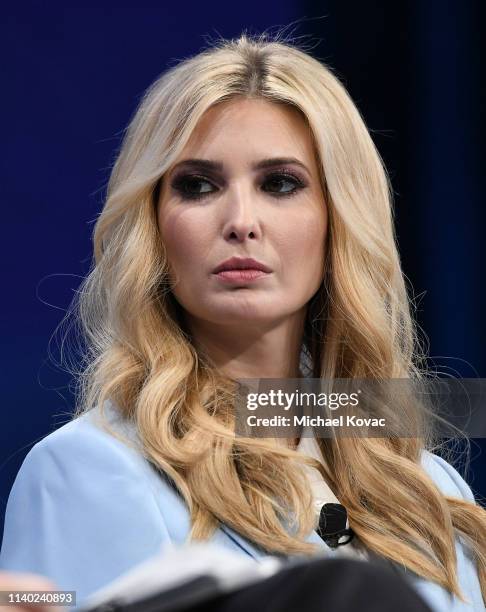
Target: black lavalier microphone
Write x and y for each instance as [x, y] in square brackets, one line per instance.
[333, 529]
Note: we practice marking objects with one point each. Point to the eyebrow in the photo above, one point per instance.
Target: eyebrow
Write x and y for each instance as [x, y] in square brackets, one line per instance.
[270, 162]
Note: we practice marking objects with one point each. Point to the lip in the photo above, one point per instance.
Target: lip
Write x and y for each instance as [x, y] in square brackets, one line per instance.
[241, 263]
[239, 276]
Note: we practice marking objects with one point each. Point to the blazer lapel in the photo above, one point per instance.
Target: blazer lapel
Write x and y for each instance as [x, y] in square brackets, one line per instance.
[257, 553]
[252, 549]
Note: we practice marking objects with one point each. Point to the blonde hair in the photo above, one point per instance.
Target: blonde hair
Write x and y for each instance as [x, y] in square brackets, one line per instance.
[140, 356]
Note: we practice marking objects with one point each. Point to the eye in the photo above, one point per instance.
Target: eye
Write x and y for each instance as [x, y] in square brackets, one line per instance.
[189, 186]
[282, 184]
[277, 184]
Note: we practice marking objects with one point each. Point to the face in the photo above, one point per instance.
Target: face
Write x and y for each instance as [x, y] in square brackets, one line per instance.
[256, 194]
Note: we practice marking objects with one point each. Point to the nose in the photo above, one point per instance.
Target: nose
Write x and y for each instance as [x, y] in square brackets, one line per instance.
[241, 219]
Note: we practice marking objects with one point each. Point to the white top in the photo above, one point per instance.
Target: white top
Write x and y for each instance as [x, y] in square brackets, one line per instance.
[322, 493]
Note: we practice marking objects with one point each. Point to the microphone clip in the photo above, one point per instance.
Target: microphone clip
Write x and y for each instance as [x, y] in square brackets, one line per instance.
[333, 525]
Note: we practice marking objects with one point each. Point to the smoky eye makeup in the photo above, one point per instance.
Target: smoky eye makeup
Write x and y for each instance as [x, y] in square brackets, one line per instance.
[281, 178]
[188, 185]
[277, 183]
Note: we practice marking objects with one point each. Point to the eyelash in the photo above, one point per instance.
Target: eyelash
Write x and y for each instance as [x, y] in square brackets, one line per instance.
[181, 182]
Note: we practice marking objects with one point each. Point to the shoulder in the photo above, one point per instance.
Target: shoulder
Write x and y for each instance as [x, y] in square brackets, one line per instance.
[95, 460]
[88, 431]
[446, 477]
[83, 449]
[83, 495]
[450, 483]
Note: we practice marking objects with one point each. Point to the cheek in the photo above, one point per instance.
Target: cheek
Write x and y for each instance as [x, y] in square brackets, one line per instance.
[314, 240]
[304, 254]
[303, 240]
[182, 236]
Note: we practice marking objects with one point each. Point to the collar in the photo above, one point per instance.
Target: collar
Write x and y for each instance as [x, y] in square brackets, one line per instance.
[322, 492]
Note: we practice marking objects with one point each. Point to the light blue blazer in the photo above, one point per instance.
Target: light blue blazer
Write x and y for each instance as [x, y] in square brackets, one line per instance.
[85, 508]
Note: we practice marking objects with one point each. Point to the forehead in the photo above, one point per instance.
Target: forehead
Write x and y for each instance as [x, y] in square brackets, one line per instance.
[256, 125]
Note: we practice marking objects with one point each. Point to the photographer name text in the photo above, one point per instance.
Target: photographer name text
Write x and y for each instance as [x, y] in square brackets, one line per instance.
[317, 421]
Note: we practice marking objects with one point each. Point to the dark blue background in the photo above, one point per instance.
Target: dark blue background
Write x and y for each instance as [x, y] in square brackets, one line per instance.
[72, 76]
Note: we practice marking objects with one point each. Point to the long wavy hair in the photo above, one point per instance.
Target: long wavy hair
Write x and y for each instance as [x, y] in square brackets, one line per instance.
[139, 355]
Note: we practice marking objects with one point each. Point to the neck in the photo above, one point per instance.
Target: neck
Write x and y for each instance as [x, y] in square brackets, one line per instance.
[259, 350]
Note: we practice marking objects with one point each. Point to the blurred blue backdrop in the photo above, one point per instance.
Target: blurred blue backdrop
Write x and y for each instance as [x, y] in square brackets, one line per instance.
[73, 74]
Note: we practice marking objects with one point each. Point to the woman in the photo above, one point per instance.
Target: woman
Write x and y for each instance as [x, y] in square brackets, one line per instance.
[251, 149]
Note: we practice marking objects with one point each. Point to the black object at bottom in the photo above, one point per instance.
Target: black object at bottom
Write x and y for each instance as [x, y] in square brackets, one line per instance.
[182, 597]
[340, 585]
[337, 585]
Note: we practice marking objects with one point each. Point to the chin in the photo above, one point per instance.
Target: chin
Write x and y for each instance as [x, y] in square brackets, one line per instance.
[248, 313]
